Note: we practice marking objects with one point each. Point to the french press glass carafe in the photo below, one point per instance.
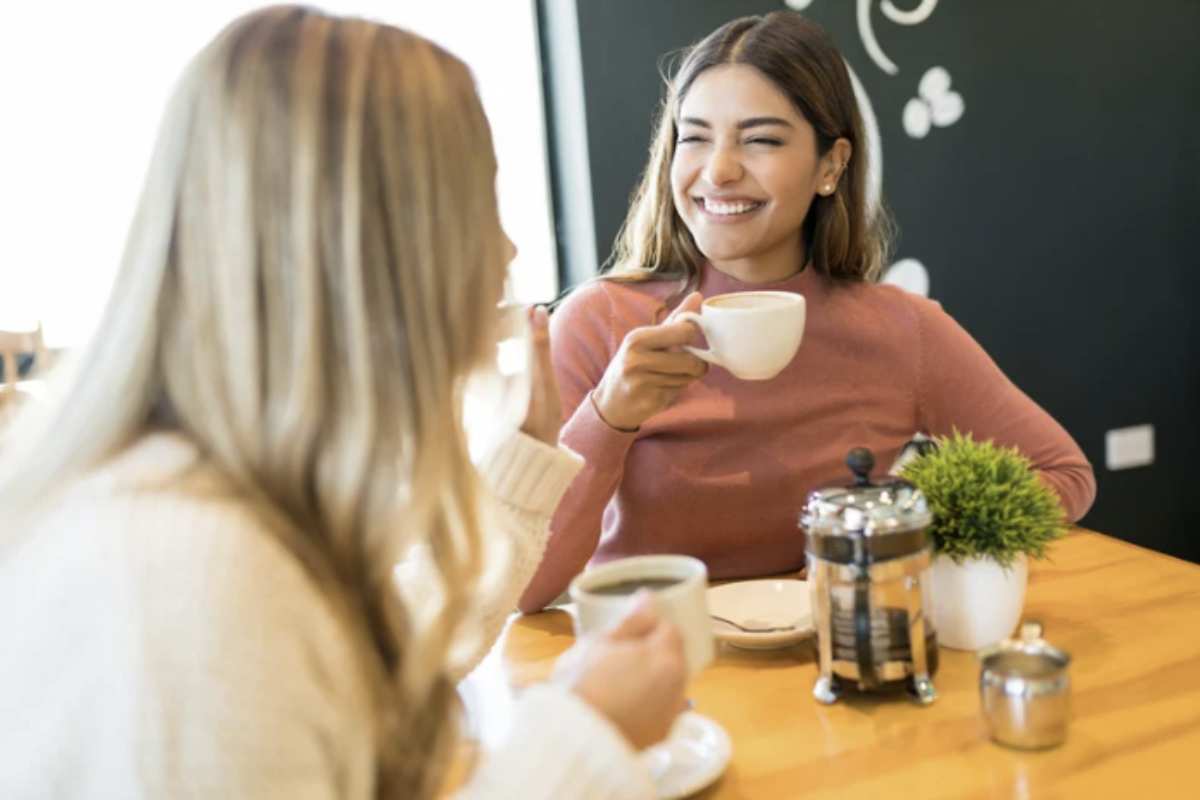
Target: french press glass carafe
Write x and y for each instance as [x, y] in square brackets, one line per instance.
[868, 564]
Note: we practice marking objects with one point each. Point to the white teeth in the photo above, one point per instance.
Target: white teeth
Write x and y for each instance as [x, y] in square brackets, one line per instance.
[728, 209]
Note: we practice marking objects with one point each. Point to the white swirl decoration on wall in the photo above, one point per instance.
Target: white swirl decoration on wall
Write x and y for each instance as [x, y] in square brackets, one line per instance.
[935, 105]
[914, 17]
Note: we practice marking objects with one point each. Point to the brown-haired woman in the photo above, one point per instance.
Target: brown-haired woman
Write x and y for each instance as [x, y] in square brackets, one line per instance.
[757, 180]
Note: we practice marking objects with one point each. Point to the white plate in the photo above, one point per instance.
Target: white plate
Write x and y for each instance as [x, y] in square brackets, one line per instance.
[692, 757]
[762, 604]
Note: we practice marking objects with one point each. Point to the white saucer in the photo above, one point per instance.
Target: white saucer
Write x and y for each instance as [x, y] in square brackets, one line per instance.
[692, 757]
[782, 603]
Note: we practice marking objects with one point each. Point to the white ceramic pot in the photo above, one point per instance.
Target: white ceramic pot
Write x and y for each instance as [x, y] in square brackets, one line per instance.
[977, 602]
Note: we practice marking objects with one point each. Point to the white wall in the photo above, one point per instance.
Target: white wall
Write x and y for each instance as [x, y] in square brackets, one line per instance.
[82, 85]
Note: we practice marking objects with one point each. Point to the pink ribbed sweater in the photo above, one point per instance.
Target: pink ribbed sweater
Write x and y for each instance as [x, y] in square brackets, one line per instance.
[724, 472]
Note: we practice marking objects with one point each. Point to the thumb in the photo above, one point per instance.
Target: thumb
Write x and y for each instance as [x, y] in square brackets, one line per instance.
[543, 418]
[641, 619]
[690, 303]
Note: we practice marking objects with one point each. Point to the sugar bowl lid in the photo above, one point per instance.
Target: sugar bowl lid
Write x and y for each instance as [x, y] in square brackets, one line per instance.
[1016, 655]
[864, 508]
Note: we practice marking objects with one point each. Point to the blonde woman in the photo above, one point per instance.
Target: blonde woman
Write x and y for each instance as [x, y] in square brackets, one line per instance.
[196, 569]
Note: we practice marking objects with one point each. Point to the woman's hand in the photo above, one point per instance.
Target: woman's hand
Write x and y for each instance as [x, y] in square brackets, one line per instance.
[634, 675]
[544, 417]
[649, 370]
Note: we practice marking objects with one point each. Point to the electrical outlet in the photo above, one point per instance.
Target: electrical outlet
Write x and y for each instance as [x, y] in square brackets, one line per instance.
[1126, 448]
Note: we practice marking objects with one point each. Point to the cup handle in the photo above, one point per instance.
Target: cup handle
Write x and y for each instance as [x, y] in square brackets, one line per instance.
[706, 355]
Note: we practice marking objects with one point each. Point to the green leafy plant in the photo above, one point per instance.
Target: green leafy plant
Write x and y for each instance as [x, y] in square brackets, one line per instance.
[986, 501]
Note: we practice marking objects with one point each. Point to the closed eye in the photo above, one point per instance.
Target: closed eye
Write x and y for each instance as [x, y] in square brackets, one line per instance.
[767, 140]
[690, 139]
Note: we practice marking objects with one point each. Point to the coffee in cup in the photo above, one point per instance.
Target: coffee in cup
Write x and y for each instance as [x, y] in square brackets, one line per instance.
[754, 335]
[678, 583]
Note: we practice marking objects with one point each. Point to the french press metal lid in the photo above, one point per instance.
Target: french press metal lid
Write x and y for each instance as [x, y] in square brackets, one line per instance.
[866, 522]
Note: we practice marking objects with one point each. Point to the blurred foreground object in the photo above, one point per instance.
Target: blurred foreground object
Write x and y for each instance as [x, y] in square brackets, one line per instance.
[13, 346]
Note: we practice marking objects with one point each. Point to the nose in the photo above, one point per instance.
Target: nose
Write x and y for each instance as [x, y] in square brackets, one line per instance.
[722, 167]
[510, 249]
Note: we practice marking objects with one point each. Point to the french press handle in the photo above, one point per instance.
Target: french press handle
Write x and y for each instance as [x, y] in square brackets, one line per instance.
[861, 461]
[863, 645]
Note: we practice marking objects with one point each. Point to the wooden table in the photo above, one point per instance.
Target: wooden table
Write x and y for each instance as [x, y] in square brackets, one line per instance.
[1129, 617]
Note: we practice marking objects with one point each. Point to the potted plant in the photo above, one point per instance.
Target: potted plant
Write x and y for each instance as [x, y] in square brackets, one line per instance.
[990, 514]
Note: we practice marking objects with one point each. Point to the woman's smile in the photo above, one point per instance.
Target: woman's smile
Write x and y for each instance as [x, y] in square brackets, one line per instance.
[732, 209]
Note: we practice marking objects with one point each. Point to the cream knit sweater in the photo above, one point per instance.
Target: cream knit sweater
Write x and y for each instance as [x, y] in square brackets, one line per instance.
[159, 643]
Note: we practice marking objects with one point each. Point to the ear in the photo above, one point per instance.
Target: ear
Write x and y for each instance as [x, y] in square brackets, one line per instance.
[833, 165]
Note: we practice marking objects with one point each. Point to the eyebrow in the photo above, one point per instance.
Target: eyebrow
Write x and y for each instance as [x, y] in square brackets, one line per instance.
[752, 122]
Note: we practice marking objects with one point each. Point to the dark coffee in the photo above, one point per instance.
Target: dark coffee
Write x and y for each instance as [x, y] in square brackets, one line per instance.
[889, 636]
[631, 586]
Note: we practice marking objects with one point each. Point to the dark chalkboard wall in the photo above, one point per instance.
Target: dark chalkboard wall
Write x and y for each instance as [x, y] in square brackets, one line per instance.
[1057, 218]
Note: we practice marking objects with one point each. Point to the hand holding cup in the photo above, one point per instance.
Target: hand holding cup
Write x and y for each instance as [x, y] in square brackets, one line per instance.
[634, 674]
[649, 370]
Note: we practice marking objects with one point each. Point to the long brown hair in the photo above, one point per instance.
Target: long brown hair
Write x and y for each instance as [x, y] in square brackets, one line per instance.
[312, 271]
[846, 240]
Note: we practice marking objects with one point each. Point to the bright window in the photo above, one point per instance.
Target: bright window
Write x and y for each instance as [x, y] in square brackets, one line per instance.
[84, 84]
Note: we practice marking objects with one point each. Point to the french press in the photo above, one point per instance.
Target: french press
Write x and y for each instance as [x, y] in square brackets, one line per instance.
[868, 568]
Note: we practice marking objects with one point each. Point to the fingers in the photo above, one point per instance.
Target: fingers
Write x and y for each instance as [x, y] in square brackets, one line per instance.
[670, 363]
[539, 324]
[670, 332]
[543, 418]
[539, 334]
[662, 336]
[649, 370]
[666, 638]
[666, 644]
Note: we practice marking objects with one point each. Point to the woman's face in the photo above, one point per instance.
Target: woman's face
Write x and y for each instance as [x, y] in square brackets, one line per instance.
[745, 172]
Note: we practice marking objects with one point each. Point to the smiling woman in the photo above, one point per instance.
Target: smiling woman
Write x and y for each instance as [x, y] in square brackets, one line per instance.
[764, 106]
[757, 180]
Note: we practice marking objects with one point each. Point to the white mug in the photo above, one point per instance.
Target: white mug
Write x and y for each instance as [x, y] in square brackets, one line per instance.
[754, 335]
[602, 598]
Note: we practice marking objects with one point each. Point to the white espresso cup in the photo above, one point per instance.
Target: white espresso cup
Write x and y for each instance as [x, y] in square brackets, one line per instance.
[678, 584]
[754, 335]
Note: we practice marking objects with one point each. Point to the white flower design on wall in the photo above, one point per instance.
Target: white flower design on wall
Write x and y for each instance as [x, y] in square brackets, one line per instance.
[934, 104]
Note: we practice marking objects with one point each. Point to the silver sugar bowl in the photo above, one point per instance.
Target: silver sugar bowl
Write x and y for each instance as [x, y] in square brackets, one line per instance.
[1025, 690]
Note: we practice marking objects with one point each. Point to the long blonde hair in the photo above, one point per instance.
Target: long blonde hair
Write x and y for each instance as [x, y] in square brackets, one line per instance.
[312, 271]
[846, 240]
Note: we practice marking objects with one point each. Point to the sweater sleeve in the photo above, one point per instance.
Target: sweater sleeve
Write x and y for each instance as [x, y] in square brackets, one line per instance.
[582, 343]
[525, 479]
[559, 747]
[961, 387]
